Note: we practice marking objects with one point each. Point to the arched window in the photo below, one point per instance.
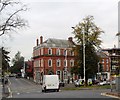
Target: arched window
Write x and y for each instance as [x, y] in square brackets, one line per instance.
[58, 63]
[50, 62]
[58, 52]
[58, 72]
[65, 52]
[65, 63]
[72, 63]
[49, 51]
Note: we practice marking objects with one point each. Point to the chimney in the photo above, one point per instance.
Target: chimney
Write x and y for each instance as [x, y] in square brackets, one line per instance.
[41, 39]
[70, 39]
[37, 42]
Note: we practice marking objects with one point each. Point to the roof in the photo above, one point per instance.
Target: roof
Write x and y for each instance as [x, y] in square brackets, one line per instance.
[61, 43]
[102, 54]
[110, 49]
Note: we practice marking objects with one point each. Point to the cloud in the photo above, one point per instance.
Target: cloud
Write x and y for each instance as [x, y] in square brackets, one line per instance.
[54, 18]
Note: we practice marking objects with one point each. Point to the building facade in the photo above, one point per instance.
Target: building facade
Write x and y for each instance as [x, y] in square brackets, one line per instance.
[29, 69]
[53, 56]
[103, 66]
[114, 54]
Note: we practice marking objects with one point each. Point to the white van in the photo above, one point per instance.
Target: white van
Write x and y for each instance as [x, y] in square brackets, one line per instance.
[50, 82]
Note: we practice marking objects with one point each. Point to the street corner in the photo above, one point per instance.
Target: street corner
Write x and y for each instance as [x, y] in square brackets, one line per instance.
[112, 94]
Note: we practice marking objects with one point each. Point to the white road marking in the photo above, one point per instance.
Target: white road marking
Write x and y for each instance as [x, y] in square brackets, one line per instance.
[18, 93]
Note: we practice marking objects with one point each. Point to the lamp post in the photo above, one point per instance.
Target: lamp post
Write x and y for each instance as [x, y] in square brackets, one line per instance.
[83, 52]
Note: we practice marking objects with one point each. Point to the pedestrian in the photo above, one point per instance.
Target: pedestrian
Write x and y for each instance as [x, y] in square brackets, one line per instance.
[68, 80]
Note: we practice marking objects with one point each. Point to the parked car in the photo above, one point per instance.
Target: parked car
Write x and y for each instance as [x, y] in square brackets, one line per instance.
[95, 82]
[76, 83]
[12, 75]
[90, 82]
[104, 83]
[18, 75]
[113, 82]
[79, 82]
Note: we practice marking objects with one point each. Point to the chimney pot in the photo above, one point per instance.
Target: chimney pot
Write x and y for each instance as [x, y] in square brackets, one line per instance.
[41, 39]
[37, 41]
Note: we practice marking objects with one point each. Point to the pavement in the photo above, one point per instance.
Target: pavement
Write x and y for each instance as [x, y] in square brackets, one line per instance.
[113, 94]
[5, 91]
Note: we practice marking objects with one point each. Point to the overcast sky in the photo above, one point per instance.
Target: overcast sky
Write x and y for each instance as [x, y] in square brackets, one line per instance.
[54, 19]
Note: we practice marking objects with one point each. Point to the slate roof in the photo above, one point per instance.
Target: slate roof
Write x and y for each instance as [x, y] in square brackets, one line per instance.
[61, 43]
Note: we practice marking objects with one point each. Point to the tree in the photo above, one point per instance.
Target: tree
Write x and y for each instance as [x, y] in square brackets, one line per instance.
[10, 20]
[92, 40]
[18, 63]
[5, 60]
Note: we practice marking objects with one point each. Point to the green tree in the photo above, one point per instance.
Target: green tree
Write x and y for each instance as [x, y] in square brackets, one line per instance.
[92, 40]
[18, 63]
[5, 60]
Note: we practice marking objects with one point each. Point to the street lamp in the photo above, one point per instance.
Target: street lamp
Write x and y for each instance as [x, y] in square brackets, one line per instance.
[84, 53]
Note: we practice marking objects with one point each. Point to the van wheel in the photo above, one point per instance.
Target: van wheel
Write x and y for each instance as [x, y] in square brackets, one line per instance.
[57, 90]
[42, 90]
[45, 90]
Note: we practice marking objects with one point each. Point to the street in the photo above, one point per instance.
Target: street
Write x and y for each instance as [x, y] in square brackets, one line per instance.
[23, 88]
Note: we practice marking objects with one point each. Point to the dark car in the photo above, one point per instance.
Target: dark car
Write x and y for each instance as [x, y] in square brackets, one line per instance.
[18, 75]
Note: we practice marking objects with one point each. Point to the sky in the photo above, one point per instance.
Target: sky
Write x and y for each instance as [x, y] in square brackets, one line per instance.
[54, 19]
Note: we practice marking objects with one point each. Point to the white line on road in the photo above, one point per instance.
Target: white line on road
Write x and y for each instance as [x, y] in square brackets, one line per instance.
[18, 93]
[10, 95]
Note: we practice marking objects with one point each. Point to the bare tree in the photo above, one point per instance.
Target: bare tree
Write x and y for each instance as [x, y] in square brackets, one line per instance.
[9, 18]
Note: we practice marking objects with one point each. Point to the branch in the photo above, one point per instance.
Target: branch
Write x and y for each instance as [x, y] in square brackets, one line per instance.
[7, 21]
[6, 3]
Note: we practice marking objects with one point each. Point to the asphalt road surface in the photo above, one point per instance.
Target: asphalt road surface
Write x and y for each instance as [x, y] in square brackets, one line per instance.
[23, 88]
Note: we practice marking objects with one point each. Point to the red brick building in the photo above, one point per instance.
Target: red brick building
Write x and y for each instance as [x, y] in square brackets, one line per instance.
[53, 56]
[114, 54]
[104, 66]
[29, 68]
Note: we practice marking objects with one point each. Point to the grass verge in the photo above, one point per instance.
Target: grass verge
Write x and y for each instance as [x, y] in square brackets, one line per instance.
[87, 87]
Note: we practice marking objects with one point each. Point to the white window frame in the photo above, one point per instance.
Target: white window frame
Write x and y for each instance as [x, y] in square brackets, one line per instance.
[57, 74]
[72, 63]
[58, 61]
[65, 52]
[65, 62]
[49, 51]
[50, 60]
[58, 52]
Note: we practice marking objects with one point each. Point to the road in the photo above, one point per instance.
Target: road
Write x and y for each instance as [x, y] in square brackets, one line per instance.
[23, 88]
